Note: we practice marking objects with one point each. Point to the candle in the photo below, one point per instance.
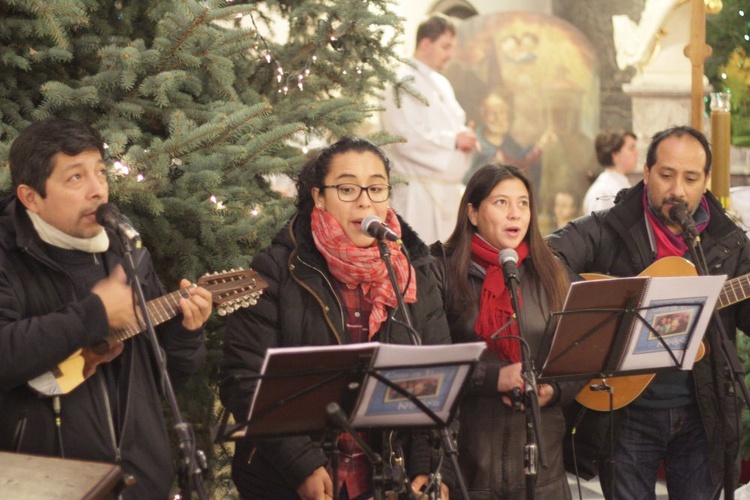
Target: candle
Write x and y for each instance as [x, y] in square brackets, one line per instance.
[720, 140]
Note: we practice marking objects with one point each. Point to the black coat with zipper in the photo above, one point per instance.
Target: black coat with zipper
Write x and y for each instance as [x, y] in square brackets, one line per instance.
[492, 436]
[43, 322]
[300, 308]
[616, 242]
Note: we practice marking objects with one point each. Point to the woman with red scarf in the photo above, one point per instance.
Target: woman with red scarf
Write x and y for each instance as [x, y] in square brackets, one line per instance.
[498, 211]
[328, 285]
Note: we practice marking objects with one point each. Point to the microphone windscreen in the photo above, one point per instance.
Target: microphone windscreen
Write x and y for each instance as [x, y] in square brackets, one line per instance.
[508, 255]
[678, 213]
[369, 221]
[105, 212]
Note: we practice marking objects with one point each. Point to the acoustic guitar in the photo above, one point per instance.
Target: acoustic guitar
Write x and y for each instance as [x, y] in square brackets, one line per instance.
[229, 291]
[628, 387]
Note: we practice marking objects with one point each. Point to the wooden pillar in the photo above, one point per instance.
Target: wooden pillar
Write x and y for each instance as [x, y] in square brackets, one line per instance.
[697, 51]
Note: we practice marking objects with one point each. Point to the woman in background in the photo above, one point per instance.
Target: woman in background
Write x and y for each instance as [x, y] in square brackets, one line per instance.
[498, 211]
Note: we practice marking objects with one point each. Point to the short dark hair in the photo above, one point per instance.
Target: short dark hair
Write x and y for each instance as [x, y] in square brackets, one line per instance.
[31, 153]
[680, 131]
[609, 142]
[314, 171]
[435, 26]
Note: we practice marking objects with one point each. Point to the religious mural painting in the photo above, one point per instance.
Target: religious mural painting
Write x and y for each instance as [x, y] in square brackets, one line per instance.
[530, 83]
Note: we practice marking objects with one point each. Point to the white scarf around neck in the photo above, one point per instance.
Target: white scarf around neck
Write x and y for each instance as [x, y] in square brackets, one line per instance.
[53, 236]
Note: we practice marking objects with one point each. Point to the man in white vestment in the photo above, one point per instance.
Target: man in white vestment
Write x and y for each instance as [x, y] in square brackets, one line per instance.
[439, 146]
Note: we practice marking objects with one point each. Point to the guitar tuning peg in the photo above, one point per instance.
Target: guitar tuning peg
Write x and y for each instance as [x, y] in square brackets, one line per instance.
[245, 303]
[232, 270]
[253, 301]
[242, 268]
[222, 311]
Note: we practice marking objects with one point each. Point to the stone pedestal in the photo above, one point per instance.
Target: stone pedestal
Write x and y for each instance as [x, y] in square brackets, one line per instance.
[655, 108]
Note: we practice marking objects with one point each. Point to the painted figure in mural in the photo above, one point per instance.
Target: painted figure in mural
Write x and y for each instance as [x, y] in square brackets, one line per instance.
[617, 153]
[499, 146]
[439, 145]
[551, 71]
[565, 209]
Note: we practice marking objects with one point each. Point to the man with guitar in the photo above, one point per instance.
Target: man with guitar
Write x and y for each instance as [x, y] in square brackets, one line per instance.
[687, 419]
[63, 288]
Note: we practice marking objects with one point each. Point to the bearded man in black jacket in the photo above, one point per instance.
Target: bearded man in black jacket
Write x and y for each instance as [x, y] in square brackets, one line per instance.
[687, 419]
[63, 288]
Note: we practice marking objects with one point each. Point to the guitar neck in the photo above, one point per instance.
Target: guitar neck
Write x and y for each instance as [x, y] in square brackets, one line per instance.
[161, 309]
[735, 290]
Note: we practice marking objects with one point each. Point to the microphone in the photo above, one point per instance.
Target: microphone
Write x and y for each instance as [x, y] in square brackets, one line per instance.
[509, 260]
[679, 214]
[373, 227]
[109, 216]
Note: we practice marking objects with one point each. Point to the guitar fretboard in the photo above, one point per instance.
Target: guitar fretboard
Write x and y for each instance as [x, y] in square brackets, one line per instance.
[734, 290]
[162, 309]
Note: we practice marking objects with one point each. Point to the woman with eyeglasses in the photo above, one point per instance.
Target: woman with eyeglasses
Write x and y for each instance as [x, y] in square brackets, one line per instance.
[330, 286]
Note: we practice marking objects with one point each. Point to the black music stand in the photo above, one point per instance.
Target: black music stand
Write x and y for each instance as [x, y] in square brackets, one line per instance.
[629, 326]
[375, 385]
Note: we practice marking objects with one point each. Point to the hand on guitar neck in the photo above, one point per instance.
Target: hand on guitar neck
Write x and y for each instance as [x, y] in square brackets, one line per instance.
[117, 297]
[227, 291]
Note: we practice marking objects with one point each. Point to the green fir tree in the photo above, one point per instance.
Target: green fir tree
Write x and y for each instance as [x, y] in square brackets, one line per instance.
[198, 102]
[728, 67]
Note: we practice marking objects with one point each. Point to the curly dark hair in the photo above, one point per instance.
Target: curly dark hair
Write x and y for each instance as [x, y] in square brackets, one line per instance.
[314, 171]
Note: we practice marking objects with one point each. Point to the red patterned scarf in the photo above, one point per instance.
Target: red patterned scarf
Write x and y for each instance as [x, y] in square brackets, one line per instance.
[354, 266]
[667, 243]
[495, 307]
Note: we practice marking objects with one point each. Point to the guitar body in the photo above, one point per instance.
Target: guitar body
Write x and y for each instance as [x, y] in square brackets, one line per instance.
[627, 388]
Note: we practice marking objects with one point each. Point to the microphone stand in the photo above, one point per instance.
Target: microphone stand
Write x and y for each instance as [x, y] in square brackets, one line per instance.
[385, 253]
[533, 454]
[193, 462]
[729, 354]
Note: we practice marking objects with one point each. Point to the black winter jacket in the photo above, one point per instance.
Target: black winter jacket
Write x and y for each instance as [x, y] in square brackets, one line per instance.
[616, 242]
[492, 435]
[42, 322]
[300, 308]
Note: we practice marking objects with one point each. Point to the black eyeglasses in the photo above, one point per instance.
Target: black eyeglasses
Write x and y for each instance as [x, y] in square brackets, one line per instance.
[377, 193]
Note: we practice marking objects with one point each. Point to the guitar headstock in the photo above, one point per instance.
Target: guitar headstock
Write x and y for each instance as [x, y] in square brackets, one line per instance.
[233, 289]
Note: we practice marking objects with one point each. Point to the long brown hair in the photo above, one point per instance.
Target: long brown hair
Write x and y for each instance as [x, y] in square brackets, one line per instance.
[546, 272]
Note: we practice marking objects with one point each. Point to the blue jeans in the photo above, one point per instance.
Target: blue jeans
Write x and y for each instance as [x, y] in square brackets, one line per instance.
[648, 436]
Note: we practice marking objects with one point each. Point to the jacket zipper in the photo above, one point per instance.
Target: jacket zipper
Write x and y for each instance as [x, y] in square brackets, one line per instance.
[320, 301]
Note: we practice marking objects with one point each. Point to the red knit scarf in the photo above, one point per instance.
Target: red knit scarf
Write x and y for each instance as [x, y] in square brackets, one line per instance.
[495, 307]
[354, 266]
